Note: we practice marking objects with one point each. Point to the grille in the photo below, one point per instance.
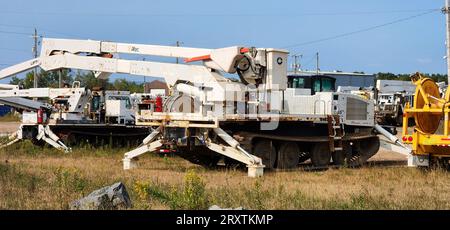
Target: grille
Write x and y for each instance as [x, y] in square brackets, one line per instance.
[356, 109]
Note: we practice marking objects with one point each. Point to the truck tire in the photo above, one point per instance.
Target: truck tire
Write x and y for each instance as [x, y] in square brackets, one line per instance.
[339, 157]
[267, 152]
[304, 156]
[363, 150]
[288, 155]
[320, 155]
[200, 156]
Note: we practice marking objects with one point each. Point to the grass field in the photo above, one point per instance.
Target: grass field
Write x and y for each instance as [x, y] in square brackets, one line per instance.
[9, 118]
[36, 178]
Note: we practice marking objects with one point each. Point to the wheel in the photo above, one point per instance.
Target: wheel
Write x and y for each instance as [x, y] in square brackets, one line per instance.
[304, 156]
[266, 151]
[288, 155]
[399, 118]
[304, 152]
[200, 156]
[320, 154]
[363, 150]
[439, 163]
[340, 156]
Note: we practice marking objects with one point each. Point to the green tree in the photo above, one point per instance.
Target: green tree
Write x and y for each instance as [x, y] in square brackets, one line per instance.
[386, 76]
[133, 87]
[45, 79]
[88, 80]
[406, 77]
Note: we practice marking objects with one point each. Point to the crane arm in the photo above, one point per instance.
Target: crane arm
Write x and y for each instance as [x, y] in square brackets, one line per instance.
[68, 53]
[222, 59]
[19, 68]
[171, 72]
[256, 66]
[50, 93]
[51, 45]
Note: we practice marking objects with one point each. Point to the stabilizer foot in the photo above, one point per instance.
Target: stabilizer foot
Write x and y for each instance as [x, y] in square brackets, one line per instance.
[255, 170]
[129, 163]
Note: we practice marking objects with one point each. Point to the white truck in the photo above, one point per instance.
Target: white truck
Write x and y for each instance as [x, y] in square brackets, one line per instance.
[259, 122]
[68, 115]
[392, 96]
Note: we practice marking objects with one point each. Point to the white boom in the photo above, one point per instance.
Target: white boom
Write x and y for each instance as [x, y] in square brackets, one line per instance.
[252, 65]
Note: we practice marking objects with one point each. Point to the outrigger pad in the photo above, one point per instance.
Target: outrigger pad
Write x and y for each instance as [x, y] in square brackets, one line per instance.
[129, 164]
[255, 170]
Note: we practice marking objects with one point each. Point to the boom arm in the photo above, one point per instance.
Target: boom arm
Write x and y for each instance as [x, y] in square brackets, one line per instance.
[19, 68]
[220, 59]
[253, 64]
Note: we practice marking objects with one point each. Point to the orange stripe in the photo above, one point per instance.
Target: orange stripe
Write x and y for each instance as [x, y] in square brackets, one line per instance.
[199, 58]
[244, 50]
[208, 57]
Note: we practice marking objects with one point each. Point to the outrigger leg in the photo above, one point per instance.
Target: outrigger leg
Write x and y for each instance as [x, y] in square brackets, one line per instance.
[148, 145]
[236, 152]
[46, 134]
[13, 138]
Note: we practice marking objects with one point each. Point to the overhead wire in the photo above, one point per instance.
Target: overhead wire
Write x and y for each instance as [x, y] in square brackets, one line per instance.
[120, 14]
[361, 30]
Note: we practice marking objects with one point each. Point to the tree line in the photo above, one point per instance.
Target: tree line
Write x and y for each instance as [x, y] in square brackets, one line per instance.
[86, 79]
[437, 77]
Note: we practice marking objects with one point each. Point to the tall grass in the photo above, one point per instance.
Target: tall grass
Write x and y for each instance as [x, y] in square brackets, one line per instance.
[42, 178]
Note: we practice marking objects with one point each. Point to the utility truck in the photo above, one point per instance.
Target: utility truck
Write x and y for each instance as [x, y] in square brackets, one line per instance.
[257, 121]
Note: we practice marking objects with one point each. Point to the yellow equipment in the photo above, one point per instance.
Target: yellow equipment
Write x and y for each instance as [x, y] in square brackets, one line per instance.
[430, 139]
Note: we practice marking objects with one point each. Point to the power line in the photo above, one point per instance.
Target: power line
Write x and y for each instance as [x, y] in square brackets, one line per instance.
[14, 50]
[119, 14]
[361, 30]
[12, 32]
[41, 29]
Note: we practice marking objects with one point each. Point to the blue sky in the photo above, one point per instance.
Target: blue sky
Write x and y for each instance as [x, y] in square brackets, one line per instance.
[405, 47]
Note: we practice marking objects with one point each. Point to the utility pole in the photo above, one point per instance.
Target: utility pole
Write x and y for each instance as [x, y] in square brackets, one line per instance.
[446, 11]
[35, 55]
[296, 65]
[178, 45]
[145, 80]
[317, 63]
[60, 83]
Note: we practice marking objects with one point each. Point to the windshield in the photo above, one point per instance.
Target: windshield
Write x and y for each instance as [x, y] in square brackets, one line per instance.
[327, 85]
[298, 83]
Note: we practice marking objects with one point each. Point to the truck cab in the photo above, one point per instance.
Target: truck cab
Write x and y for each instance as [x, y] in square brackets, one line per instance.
[316, 83]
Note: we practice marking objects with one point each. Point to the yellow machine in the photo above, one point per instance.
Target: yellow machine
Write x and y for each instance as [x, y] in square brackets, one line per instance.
[430, 138]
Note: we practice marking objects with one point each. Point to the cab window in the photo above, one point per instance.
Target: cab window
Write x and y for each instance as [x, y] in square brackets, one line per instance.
[327, 85]
[298, 83]
[316, 86]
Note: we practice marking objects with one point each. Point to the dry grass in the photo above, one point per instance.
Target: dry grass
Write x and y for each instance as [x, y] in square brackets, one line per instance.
[35, 178]
[10, 117]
